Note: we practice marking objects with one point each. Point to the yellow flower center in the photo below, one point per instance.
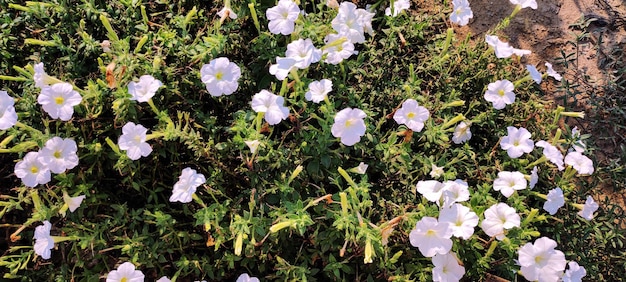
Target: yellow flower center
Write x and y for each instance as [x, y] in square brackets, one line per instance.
[516, 143]
[34, 169]
[59, 100]
[431, 232]
[348, 123]
[512, 184]
[57, 154]
[501, 92]
[124, 279]
[410, 115]
[219, 75]
[538, 259]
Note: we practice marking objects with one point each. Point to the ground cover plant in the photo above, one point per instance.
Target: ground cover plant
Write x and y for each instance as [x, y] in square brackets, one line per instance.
[305, 141]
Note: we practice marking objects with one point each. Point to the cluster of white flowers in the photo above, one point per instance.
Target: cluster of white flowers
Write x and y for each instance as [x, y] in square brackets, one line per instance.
[57, 156]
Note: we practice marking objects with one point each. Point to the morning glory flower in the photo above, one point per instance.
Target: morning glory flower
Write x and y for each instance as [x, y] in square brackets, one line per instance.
[227, 12]
[461, 12]
[365, 17]
[349, 126]
[540, 261]
[133, 140]
[412, 115]
[447, 268]
[503, 49]
[580, 162]
[32, 171]
[553, 73]
[461, 218]
[430, 189]
[73, 202]
[8, 116]
[534, 73]
[220, 76]
[347, 23]
[164, 279]
[59, 154]
[145, 89]
[431, 237]
[398, 7]
[246, 278]
[589, 208]
[304, 52]
[517, 142]
[507, 182]
[186, 185]
[337, 50]
[41, 78]
[282, 17]
[318, 90]
[44, 243]
[554, 201]
[552, 153]
[270, 104]
[579, 145]
[499, 217]
[253, 145]
[500, 93]
[361, 168]
[436, 171]
[574, 272]
[462, 133]
[125, 273]
[283, 66]
[525, 3]
[455, 191]
[59, 100]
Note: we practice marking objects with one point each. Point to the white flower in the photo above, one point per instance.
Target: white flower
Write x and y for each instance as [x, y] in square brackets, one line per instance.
[552, 153]
[555, 201]
[145, 89]
[361, 168]
[32, 171]
[589, 208]
[41, 78]
[534, 178]
[347, 23]
[253, 145]
[580, 162]
[461, 218]
[365, 17]
[447, 268]
[338, 50]
[164, 279]
[503, 49]
[125, 273]
[186, 185]
[455, 191]
[270, 104]
[412, 115]
[574, 272]
[59, 100]
[106, 46]
[461, 12]
[507, 182]
[462, 133]
[540, 261]
[282, 17]
[59, 154]
[283, 66]
[517, 142]
[8, 116]
[349, 125]
[534, 73]
[430, 189]
[44, 243]
[73, 202]
[398, 7]
[579, 145]
[499, 217]
[525, 3]
[220, 76]
[304, 52]
[553, 73]
[500, 94]
[246, 278]
[431, 237]
[436, 171]
[318, 90]
[133, 140]
[229, 13]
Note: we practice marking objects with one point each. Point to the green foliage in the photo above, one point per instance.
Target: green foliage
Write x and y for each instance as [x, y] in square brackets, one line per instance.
[296, 209]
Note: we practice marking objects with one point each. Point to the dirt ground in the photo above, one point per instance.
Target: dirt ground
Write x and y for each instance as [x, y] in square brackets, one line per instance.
[547, 32]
